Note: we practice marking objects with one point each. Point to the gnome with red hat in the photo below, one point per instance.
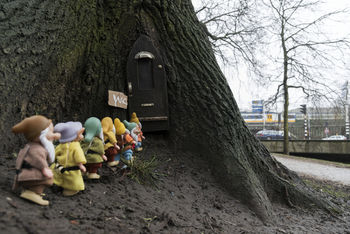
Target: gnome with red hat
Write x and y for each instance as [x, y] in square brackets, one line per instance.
[33, 174]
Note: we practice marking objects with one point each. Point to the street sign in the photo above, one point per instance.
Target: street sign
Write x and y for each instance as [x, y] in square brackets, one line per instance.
[256, 110]
[257, 102]
[258, 106]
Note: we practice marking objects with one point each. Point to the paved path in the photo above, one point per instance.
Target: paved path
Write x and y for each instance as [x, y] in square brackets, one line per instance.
[317, 170]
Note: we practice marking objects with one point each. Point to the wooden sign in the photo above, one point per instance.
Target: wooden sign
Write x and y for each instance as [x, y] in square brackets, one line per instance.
[117, 99]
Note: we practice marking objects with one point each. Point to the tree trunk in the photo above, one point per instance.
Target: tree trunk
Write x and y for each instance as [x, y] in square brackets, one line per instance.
[286, 97]
[59, 58]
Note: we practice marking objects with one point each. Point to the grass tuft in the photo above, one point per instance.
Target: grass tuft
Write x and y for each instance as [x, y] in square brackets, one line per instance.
[144, 171]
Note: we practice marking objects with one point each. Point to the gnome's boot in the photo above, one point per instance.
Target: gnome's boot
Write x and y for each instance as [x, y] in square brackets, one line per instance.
[138, 149]
[34, 197]
[68, 193]
[94, 176]
[113, 164]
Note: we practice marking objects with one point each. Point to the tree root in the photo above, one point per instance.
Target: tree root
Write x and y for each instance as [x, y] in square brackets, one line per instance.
[290, 204]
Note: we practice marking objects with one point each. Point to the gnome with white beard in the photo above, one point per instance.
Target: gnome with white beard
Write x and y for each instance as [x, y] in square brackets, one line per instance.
[33, 174]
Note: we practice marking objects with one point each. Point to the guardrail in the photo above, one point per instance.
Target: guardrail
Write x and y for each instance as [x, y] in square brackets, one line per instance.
[309, 146]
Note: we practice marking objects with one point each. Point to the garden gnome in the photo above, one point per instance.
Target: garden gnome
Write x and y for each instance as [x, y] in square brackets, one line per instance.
[131, 128]
[127, 145]
[110, 141]
[69, 158]
[32, 171]
[93, 147]
[140, 137]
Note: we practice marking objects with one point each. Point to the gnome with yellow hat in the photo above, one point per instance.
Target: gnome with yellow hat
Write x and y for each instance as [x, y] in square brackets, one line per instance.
[140, 137]
[32, 171]
[110, 142]
[125, 141]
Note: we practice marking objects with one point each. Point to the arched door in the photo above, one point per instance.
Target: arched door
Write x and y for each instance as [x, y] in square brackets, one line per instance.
[147, 86]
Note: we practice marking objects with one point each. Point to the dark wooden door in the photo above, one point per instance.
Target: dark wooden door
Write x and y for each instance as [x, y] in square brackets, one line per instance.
[147, 86]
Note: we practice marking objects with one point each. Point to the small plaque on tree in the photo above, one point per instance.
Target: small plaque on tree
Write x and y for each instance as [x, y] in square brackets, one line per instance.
[117, 99]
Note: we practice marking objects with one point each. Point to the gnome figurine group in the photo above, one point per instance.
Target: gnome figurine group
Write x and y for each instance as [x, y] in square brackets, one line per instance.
[74, 156]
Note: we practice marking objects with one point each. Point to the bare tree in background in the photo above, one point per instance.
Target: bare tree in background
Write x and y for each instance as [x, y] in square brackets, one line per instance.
[306, 52]
[233, 29]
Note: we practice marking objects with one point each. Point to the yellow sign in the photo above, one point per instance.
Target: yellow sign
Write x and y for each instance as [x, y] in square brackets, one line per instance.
[117, 99]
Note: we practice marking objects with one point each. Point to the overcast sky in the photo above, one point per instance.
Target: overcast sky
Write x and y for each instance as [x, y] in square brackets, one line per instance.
[245, 89]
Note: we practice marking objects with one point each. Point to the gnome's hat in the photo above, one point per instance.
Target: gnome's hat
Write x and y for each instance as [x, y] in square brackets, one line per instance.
[129, 126]
[134, 118]
[68, 130]
[107, 124]
[32, 126]
[119, 127]
[92, 128]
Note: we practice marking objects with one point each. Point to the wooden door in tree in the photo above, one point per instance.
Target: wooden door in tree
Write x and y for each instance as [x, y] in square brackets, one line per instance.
[147, 86]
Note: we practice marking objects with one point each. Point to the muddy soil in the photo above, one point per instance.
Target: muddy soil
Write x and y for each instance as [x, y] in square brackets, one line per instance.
[187, 199]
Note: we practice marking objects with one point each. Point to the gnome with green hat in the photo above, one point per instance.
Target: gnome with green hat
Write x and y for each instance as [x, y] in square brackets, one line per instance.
[93, 147]
[132, 129]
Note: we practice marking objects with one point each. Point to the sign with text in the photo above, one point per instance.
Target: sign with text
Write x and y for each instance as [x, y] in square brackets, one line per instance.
[258, 102]
[258, 106]
[117, 99]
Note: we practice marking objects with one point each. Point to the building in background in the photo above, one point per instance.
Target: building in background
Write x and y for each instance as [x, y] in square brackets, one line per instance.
[322, 122]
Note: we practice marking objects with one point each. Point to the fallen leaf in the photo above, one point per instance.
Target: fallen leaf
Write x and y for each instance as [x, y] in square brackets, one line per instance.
[74, 222]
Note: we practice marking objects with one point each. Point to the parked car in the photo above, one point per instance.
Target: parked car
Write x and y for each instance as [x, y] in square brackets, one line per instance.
[269, 135]
[335, 138]
[272, 135]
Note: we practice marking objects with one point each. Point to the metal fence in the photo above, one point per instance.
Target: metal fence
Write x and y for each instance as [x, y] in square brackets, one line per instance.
[316, 130]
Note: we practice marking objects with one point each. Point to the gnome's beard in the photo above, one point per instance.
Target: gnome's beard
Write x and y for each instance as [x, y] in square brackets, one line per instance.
[133, 134]
[101, 135]
[48, 145]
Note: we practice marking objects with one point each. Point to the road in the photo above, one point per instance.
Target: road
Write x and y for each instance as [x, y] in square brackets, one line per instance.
[317, 169]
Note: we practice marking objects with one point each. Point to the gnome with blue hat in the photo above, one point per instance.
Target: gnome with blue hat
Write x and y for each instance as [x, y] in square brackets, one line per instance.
[70, 158]
[93, 147]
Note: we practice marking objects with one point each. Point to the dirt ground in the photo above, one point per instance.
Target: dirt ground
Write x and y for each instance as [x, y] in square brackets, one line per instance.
[187, 199]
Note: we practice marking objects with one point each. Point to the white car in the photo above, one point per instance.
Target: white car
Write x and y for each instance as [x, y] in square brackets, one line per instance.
[335, 138]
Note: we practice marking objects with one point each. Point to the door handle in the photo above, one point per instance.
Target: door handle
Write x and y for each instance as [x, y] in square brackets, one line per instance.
[130, 89]
[147, 104]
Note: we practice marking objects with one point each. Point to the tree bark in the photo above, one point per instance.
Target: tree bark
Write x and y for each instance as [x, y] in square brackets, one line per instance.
[59, 58]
